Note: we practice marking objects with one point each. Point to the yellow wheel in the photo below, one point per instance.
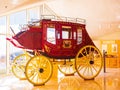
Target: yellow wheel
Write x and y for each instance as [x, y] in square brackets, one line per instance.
[38, 70]
[18, 65]
[67, 67]
[88, 62]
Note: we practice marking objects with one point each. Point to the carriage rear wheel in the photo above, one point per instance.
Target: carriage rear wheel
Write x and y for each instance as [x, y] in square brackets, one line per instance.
[88, 62]
[67, 67]
[18, 65]
[38, 70]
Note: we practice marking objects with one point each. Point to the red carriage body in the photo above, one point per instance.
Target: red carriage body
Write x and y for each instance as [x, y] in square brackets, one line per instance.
[60, 40]
[57, 39]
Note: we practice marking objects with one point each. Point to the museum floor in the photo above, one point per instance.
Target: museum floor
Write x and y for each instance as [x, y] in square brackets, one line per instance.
[104, 81]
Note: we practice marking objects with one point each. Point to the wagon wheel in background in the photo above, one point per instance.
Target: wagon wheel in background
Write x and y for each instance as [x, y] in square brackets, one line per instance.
[67, 67]
[38, 70]
[89, 61]
[18, 65]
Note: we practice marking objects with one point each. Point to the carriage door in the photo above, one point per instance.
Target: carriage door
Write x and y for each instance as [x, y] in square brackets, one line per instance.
[66, 37]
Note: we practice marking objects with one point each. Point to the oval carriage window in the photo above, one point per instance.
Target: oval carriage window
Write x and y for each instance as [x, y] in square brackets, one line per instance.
[79, 35]
[51, 35]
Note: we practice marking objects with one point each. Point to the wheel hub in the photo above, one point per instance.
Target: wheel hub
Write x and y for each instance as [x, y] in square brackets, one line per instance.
[91, 62]
[41, 70]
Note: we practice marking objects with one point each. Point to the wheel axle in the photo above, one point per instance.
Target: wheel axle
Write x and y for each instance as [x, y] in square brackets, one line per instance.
[41, 70]
[91, 62]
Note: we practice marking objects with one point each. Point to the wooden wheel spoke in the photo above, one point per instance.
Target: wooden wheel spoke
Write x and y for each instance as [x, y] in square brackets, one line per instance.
[90, 48]
[97, 60]
[81, 67]
[37, 78]
[82, 54]
[32, 64]
[38, 61]
[65, 69]
[85, 70]
[91, 69]
[19, 68]
[82, 61]
[44, 63]
[69, 67]
[86, 51]
[94, 68]
[88, 70]
[33, 76]
[97, 64]
[40, 78]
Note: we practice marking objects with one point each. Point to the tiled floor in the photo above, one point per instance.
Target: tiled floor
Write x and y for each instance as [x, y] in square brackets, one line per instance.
[104, 81]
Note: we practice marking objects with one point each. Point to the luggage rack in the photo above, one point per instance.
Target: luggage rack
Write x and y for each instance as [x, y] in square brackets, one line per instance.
[65, 19]
[57, 18]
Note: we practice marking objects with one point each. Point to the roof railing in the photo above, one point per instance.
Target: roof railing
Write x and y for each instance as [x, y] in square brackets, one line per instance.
[66, 19]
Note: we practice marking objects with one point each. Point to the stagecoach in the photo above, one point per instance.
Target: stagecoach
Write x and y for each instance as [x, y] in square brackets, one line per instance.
[55, 39]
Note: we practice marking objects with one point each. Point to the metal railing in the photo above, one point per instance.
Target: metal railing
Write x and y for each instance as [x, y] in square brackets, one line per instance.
[57, 18]
[66, 19]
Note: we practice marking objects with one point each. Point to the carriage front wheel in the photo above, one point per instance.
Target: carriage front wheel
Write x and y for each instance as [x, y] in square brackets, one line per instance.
[88, 62]
[38, 70]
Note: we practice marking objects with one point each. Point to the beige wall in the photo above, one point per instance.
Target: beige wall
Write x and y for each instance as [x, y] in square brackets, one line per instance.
[99, 16]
